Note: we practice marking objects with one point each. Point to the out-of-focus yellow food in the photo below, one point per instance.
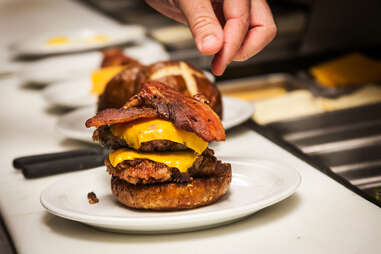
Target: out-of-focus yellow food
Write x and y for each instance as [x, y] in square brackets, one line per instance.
[302, 103]
[293, 104]
[98, 38]
[172, 34]
[350, 70]
[257, 94]
[59, 40]
[101, 77]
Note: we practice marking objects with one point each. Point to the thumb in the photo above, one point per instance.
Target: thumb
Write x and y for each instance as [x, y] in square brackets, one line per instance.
[205, 27]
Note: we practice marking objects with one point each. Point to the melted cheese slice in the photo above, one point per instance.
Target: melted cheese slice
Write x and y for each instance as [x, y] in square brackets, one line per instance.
[147, 130]
[101, 77]
[180, 160]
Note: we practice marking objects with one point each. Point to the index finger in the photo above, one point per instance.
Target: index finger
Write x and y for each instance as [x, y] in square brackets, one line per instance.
[236, 14]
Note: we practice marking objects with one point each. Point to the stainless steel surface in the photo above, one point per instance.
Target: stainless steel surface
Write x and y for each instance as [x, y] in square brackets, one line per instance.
[347, 141]
[361, 166]
[262, 81]
[355, 166]
[329, 130]
[341, 145]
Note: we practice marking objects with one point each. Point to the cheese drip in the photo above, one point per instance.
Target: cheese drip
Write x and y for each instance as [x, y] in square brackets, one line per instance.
[147, 130]
[180, 160]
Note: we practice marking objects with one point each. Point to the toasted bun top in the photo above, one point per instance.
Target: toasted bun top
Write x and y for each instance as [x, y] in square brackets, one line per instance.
[183, 77]
[178, 75]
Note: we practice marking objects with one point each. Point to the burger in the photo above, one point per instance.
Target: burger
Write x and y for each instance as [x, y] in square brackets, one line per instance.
[178, 75]
[115, 62]
[159, 157]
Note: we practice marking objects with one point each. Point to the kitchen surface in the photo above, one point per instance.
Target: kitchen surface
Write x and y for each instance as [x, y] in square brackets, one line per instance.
[302, 134]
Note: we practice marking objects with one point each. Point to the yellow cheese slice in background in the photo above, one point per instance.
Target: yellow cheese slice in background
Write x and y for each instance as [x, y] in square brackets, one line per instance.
[349, 70]
[101, 77]
[180, 160]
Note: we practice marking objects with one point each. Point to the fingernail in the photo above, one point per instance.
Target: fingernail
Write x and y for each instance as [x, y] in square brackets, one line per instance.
[208, 42]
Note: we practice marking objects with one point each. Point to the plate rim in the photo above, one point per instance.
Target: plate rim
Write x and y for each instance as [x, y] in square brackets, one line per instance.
[203, 219]
[244, 117]
[73, 135]
[59, 84]
[27, 50]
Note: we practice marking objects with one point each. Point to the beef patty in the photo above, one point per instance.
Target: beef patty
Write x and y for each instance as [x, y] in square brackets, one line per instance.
[144, 171]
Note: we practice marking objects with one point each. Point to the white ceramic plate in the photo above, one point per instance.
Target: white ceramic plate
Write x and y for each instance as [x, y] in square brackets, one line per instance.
[79, 66]
[9, 67]
[235, 111]
[71, 93]
[76, 92]
[58, 68]
[78, 40]
[256, 184]
[72, 125]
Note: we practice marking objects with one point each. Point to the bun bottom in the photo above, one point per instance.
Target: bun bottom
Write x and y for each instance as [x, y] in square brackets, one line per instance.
[172, 196]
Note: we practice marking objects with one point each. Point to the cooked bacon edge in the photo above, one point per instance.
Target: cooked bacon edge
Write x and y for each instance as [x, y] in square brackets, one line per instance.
[158, 100]
[113, 116]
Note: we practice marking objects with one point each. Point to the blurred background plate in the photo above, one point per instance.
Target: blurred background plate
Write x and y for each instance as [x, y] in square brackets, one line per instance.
[72, 125]
[58, 68]
[77, 40]
[71, 93]
[76, 92]
[66, 67]
[236, 111]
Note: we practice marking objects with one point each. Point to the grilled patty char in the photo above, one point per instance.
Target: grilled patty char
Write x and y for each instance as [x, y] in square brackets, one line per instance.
[199, 191]
[144, 171]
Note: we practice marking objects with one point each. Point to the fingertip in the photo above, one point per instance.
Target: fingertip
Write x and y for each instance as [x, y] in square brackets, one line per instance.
[210, 44]
[217, 67]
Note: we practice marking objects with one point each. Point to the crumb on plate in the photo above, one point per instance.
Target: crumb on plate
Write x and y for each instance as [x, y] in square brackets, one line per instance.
[92, 198]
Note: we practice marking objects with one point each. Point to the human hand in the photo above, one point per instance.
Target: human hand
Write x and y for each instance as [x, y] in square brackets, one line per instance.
[232, 30]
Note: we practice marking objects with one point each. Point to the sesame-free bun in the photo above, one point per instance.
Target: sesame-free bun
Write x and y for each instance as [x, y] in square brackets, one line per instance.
[198, 192]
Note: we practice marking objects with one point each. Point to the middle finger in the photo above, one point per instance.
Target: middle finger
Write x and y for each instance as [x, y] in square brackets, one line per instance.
[236, 14]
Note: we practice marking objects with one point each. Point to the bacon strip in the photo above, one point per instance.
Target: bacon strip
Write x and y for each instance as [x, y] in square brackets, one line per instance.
[113, 116]
[158, 100]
